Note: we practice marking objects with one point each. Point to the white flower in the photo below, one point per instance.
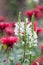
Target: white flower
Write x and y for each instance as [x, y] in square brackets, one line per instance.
[32, 39]
[30, 52]
[37, 1]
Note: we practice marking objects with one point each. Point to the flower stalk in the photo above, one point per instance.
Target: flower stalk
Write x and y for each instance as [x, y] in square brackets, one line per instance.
[19, 21]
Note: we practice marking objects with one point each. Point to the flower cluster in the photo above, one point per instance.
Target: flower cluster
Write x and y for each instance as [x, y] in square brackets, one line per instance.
[38, 12]
[28, 32]
[18, 40]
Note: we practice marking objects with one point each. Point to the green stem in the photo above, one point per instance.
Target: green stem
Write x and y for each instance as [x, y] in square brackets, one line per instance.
[25, 36]
[32, 24]
[19, 21]
[30, 60]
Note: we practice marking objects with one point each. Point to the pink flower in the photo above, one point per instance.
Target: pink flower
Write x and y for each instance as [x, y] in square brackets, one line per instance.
[9, 40]
[9, 30]
[39, 30]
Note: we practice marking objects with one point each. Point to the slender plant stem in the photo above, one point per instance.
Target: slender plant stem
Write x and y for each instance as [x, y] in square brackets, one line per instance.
[30, 60]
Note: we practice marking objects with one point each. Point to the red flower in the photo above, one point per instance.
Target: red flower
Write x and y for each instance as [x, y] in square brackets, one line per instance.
[9, 40]
[3, 25]
[35, 25]
[18, 64]
[36, 12]
[41, 60]
[35, 63]
[39, 30]
[12, 24]
[41, 47]
[9, 31]
[40, 7]
[7, 24]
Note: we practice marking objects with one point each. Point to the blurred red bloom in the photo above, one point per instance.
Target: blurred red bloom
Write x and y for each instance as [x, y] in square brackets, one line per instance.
[3, 25]
[39, 30]
[41, 47]
[36, 13]
[12, 24]
[9, 30]
[40, 7]
[35, 25]
[41, 60]
[18, 64]
[9, 40]
[2, 18]
[35, 63]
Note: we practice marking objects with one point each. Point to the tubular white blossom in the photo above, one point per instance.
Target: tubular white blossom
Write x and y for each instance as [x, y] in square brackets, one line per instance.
[28, 32]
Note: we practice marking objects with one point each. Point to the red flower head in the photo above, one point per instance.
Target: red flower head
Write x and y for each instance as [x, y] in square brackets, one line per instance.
[39, 30]
[35, 63]
[29, 13]
[2, 18]
[35, 25]
[41, 47]
[41, 60]
[36, 13]
[9, 40]
[18, 64]
[12, 24]
[9, 31]
[40, 7]
[3, 25]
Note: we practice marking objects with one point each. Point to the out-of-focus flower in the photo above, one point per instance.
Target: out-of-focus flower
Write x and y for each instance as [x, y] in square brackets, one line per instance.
[35, 63]
[18, 64]
[3, 25]
[9, 40]
[39, 30]
[41, 47]
[36, 1]
[41, 60]
[9, 30]
[36, 13]
[35, 25]
[13, 24]
[40, 7]
[2, 18]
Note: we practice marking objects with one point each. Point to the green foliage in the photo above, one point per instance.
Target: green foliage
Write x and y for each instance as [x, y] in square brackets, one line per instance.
[13, 7]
